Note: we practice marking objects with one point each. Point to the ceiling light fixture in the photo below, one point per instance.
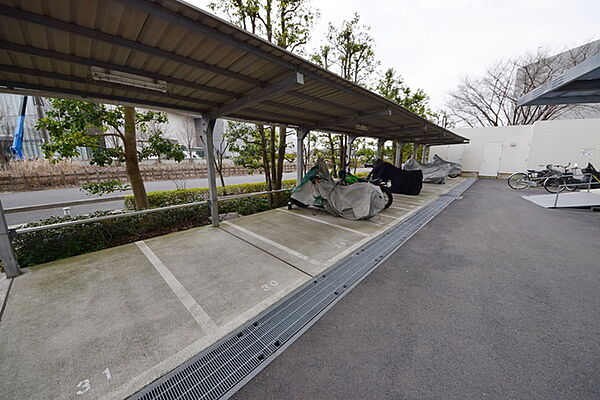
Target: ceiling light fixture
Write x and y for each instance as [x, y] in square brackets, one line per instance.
[123, 78]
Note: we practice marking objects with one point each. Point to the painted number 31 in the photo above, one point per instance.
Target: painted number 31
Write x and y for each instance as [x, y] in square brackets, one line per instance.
[85, 384]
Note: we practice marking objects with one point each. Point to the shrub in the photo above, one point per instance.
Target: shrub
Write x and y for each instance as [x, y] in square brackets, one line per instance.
[52, 244]
[182, 196]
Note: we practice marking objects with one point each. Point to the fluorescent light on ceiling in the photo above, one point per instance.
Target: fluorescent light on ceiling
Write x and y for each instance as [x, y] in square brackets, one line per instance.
[123, 78]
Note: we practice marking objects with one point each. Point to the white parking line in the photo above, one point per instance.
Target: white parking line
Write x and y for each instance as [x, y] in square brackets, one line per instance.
[188, 301]
[324, 222]
[401, 208]
[272, 243]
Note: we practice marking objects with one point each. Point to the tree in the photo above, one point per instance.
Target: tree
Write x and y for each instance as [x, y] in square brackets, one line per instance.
[288, 24]
[189, 136]
[491, 99]
[220, 150]
[259, 148]
[72, 124]
[348, 51]
[392, 87]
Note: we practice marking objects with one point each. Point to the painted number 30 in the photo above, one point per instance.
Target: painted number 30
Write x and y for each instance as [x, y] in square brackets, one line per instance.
[85, 384]
[267, 286]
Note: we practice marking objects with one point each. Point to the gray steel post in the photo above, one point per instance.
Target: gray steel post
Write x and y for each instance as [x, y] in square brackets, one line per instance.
[398, 158]
[348, 158]
[425, 147]
[206, 126]
[379, 153]
[7, 251]
[300, 135]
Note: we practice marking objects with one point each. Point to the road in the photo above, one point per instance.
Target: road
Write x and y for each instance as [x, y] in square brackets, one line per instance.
[19, 199]
[496, 298]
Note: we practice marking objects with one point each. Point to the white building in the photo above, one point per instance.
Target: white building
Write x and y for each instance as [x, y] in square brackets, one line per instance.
[500, 151]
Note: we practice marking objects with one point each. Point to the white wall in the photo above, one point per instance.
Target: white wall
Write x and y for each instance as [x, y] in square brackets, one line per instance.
[528, 146]
[566, 141]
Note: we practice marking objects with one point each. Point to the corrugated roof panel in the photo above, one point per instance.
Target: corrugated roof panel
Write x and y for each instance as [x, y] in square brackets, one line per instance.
[188, 49]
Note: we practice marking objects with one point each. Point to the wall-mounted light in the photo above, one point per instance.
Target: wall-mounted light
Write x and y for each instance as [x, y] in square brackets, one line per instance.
[123, 78]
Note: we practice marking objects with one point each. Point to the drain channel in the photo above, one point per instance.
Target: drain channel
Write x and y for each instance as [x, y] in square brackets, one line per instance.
[219, 370]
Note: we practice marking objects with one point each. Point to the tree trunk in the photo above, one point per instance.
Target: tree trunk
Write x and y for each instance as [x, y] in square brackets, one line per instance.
[265, 159]
[131, 159]
[281, 155]
[332, 149]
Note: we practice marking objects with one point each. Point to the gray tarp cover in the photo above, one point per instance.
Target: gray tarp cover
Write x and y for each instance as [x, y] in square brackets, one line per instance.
[360, 200]
[435, 171]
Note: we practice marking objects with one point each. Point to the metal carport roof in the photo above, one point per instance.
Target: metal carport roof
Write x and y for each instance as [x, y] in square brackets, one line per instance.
[185, 59]
[580, 84]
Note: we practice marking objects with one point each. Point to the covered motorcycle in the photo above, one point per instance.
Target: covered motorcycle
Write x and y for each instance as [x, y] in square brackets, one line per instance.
[436, 171]
[360, 200]
[403, 182]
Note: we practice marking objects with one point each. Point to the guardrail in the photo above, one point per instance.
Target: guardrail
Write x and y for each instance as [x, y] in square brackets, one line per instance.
[7, 253]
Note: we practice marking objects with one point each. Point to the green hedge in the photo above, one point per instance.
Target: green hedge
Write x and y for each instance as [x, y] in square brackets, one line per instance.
[182, 196]
[52, 244]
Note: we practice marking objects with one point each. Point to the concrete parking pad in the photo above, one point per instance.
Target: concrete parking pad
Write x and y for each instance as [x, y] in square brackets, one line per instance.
[107, 323]
[88, 324]
[229, 276]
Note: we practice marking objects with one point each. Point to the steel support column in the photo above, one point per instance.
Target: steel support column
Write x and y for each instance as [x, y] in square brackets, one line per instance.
[424, 151]
[379, 153]
[206, 127]
[300, 135]
[348, 157]
[7, 251]
[398, 156]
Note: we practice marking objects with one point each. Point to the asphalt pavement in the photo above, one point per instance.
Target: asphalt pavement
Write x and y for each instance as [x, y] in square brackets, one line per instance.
[496, 298]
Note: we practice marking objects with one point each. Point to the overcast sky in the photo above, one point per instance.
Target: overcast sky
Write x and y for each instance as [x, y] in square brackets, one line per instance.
[432, 43]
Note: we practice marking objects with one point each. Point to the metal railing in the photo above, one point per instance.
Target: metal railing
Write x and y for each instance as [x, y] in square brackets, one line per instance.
[61, 204]
[566, 185]
[7, 254]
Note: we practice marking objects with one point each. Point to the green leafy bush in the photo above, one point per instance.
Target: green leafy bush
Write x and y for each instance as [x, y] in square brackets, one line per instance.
[181, 196]
[52, 244]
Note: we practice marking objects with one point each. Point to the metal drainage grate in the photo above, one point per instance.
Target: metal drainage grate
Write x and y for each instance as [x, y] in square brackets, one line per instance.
[222, 368]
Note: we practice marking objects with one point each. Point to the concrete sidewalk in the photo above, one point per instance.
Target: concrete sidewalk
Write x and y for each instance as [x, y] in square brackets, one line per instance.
[496, 298]
[107, 323]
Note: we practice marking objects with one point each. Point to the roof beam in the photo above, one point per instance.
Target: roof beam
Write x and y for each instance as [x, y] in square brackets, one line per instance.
[37, 52]
[49, 91]
[351, 119]
[198, 26]
[323, 102]
[194, 25]
[416, 129]
[120, 41]
[84, 81]
[289, 82]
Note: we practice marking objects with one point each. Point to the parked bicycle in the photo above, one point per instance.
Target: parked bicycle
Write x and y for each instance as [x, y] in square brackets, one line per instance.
[531, 178]
[571, 181]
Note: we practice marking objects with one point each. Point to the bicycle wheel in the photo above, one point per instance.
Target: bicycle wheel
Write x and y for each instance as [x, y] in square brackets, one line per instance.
[518, 181]
[554, 184]
[571, 185]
